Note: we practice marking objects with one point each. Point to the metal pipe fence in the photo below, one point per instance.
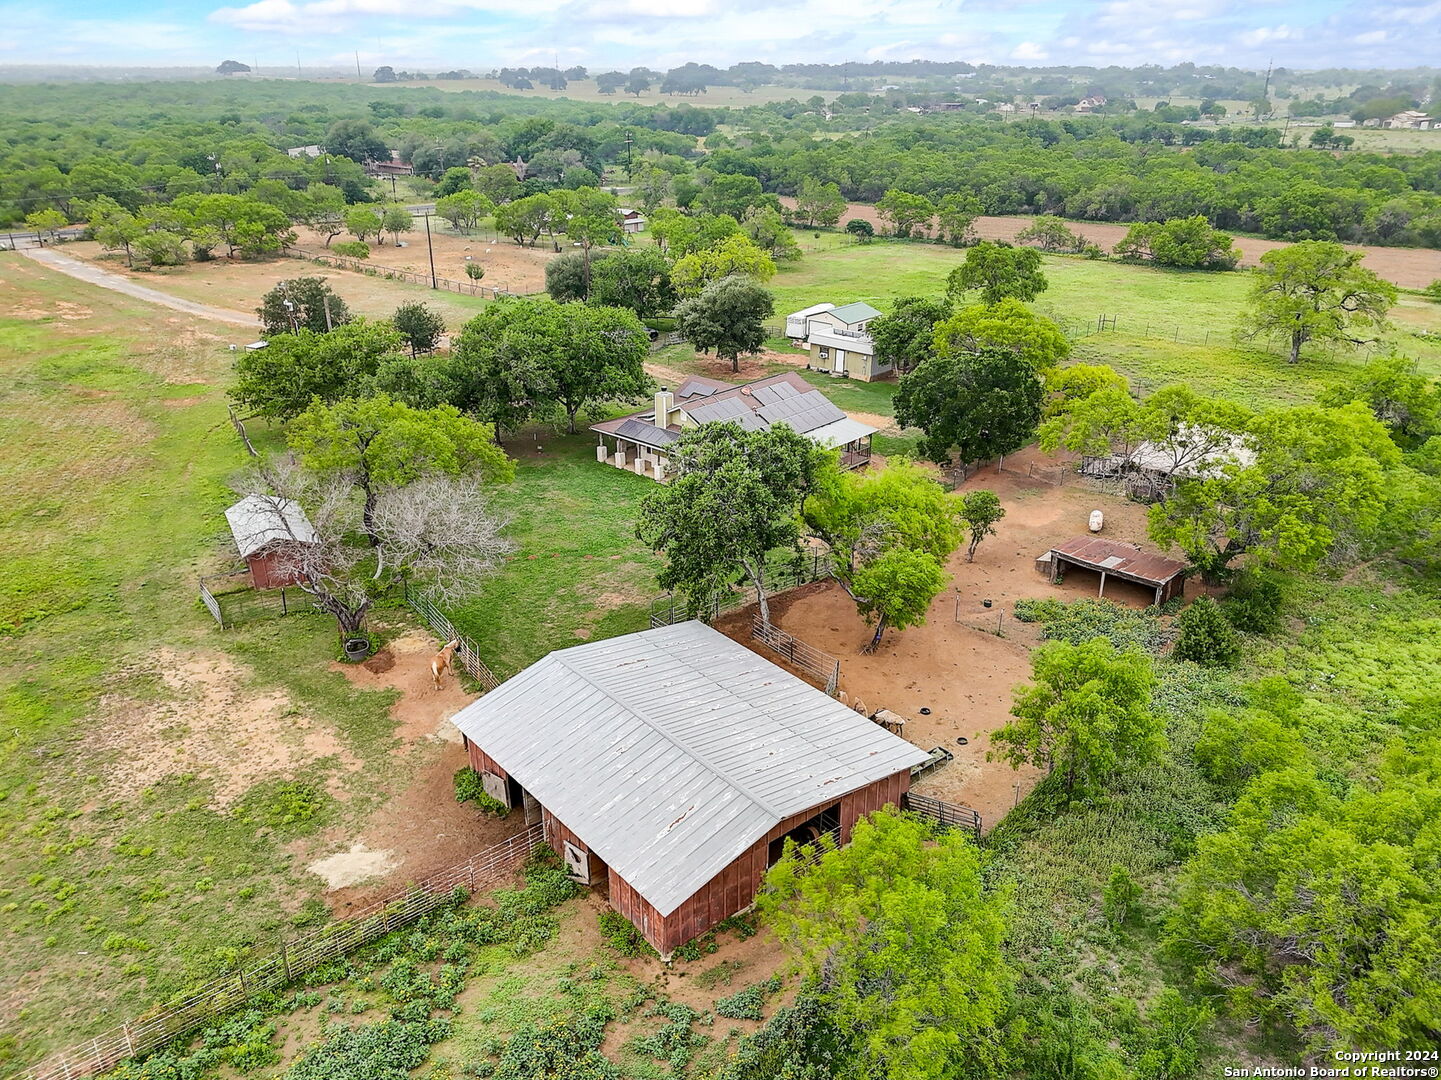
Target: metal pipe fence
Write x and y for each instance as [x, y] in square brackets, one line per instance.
[821, 666]
[292, 960]
[946, 815]
[466, 652]
[364, 266]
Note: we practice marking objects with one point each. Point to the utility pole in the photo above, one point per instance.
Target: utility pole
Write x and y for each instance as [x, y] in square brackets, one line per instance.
[297, 65]
[629, 142]
[357, 64]
[430, 248]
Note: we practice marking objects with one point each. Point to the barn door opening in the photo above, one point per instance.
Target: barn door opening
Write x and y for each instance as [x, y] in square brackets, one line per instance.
[807, 832]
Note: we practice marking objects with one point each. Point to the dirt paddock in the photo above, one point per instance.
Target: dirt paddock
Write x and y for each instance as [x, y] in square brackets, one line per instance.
[956, 665]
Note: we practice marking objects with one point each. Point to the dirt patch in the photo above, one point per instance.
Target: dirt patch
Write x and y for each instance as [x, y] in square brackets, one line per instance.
[352, 867]
[423, 829]
[421, 711]
[210, 727]
[1411, 268]
[956, 665]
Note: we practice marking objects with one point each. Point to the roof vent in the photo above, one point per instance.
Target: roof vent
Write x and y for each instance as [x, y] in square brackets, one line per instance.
[746, 391]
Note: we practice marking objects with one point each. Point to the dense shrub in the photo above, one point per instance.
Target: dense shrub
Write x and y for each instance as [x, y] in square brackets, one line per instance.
[747, 1004]
[1207, 637]
[1254, 605]
[470, 788]
[1078, 621]
[622, 936]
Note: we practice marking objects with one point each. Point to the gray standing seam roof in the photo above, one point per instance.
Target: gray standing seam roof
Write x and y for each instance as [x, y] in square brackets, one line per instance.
[649, 434]
[671, 751]
[257, 521]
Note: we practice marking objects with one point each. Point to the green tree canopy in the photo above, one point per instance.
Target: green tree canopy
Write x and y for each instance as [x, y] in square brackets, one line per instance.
[281, 380]
[314, 306]
[1189, 243]
[380, 444]
[637, 280]
[818, 203]
[728, 316]
[998, 271]
[895, 589]
[973, 405]
[906, 943]
[1207, 636]
[1320, 912]
[1088, 714]
[955, 214]
[734, 255]
[1315, 491]
[906, 335]
[981, 511]
[464, 209]
[1398, 395]
[1316, 291]
[736, 497]
[419, 326]
[1051, 234]
[1006, 324]
[907, 212]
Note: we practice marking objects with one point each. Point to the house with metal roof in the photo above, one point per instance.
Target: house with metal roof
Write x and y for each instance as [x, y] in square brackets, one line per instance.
[264, 527]
[838, 339]
[669, 767]
[641, 441]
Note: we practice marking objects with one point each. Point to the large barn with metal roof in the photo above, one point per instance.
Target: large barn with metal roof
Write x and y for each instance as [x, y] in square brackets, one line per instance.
[670, 765]
[641, 440]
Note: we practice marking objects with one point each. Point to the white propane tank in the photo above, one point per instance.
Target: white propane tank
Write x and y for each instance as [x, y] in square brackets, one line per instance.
[1097, 520]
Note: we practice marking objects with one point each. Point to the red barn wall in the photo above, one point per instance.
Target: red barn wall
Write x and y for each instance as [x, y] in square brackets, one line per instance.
[735, 887]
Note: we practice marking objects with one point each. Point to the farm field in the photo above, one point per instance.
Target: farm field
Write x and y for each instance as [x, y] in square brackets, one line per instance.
[1410, 268]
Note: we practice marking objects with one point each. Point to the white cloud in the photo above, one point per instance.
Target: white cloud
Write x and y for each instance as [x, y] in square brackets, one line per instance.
[332, 16]
[1029, 50]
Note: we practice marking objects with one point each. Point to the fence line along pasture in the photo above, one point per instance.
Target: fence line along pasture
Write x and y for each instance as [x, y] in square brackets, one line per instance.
[289, 962]
[364, 266]
[1188, 335]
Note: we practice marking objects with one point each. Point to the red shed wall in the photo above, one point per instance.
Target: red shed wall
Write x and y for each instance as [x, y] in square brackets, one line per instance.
[266, 573]
[482, 762]
[735, 887]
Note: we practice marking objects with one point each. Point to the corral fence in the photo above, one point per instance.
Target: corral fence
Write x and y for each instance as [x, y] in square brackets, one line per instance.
[391, 273]
[778, 576]
[946, 815]
[820, 666]
[466, 654]
[232, 599]
[1056, 475]
[292, 960]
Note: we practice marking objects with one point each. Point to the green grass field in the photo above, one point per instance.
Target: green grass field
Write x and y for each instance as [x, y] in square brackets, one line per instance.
[1170, 325]
[114, 452]
[578, 571]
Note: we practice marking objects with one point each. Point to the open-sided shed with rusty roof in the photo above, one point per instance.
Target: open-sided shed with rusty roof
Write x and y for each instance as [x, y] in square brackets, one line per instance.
[1112, 558]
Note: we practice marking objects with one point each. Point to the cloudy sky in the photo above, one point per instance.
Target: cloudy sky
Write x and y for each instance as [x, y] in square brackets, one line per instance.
[481, 34]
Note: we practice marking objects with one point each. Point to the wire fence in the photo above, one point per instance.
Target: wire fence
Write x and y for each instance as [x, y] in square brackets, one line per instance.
[391, 273]
[292, 960]
[778, 576]
[1077, 329]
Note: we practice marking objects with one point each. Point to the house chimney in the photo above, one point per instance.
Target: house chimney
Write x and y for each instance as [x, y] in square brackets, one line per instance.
[664, 406]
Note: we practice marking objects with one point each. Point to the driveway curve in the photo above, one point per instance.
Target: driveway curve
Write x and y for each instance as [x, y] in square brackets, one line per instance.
[84, 271]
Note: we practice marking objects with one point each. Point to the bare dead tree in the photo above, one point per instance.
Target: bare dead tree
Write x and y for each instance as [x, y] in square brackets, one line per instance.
[438, 531]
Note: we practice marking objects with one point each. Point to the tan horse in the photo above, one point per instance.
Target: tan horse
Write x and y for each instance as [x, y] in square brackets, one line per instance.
[440, 662]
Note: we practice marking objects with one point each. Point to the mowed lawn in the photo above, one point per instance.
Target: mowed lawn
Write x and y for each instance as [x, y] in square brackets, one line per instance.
[1169, 325]
[578, 571]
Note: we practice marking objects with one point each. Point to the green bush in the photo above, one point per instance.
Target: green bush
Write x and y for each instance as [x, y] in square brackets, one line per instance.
[747, 1004]
[622, 936]
[1207, 636]
[1254, 606]
[1078, 621]
[352, 249]
[1119, 897]
[470, 788]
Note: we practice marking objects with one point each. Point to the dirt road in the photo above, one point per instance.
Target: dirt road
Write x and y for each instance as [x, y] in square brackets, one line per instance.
[84, 271]
[1411, 268]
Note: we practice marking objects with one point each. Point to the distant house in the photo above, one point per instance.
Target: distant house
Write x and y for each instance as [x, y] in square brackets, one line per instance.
[670, 767]
[642, 440]
[1416, 121]
[631, 221]
[947, 106]
[304, 151]
[1090, 103]
[837, 340]
[1006, 107]
[393, 167]
[266, 529]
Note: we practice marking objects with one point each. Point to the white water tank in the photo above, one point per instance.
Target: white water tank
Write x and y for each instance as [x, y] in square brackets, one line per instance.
[1097, 520]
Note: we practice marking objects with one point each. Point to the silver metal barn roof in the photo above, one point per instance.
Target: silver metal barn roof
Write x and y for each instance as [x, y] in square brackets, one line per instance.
[671, 751]
[257, 521]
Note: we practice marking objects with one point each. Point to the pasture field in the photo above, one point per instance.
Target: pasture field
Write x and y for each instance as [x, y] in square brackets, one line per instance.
[585, 90]
[1170, 325]
[141, 855]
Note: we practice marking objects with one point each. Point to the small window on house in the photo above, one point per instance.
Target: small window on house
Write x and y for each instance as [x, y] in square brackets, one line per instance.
[825, 353]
